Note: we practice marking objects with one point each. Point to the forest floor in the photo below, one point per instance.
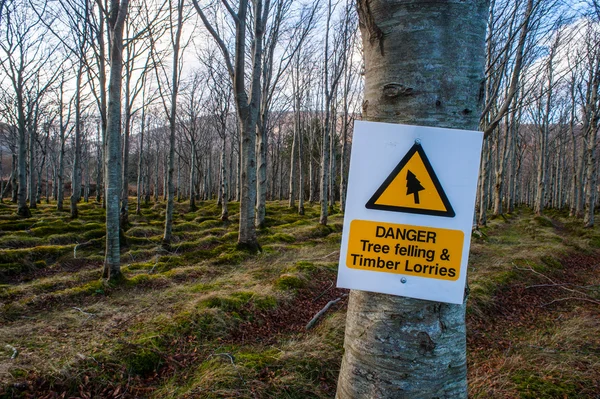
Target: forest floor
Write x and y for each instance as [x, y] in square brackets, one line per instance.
[205, 320]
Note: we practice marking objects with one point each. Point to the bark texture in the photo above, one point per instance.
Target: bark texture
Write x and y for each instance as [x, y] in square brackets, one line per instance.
[423, 66]
[112, 166]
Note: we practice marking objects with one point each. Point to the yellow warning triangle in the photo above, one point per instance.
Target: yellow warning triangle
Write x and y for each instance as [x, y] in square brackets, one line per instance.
[412, 187]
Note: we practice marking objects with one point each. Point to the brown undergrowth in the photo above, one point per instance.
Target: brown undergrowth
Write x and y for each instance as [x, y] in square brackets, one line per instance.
[535, 333]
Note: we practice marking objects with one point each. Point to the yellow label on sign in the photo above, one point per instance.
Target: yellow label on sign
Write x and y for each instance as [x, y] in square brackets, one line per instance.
[412, 187]
[404, 249]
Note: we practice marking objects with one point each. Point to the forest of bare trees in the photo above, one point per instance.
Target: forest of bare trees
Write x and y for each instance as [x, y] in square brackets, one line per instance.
[253, 101]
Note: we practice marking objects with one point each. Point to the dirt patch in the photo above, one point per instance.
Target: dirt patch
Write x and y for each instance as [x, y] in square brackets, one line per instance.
[292, 317]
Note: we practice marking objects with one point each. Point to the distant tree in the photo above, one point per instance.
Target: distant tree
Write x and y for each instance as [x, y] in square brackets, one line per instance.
[116, 23]
[247, 98]
[28, 60]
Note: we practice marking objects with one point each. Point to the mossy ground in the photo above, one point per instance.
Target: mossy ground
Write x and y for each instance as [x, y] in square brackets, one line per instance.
[208, 320]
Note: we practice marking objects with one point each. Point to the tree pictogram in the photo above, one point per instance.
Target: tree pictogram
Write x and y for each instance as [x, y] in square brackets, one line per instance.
[413, 186]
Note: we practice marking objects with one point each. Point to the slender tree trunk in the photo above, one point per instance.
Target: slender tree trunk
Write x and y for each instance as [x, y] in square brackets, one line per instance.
[112, 260]
[483, 178]
[223, 190]
[397, 347]
[22, 208]
[98, 167]
[293, 161]
[61, 172]
[31, 155]
[140, 179]
[125, 155]
[76, 173]
[311, 171]
[261, 170]
[332, 160]
[300, 158]
[14, 179]
[193, 178]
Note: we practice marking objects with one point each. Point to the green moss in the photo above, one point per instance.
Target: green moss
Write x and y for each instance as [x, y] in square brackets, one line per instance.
[233, 257]
[279, 237]
[141, 361]
[320, 231]
[267, 302]
[30, 255]
[58, 226]
[544, 221]
[96, 287]
[19, 241]
[290, 281]
[15, 226]
[531, 385]
[205, 324]
[188, 226]
[18, 373]
[140, 279]
[144, 231]
[95, 233]
[305, 266]
[231, 236]
[207, 224]
[62, 239]
[258, 360]
[594, 241]
[216, 231]
[551, 262]
[231, 303]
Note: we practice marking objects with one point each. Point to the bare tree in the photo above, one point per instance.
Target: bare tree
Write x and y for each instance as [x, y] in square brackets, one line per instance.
[116, 23]
[247, 99]
[27, 59]
[176, 18]
[332, 74]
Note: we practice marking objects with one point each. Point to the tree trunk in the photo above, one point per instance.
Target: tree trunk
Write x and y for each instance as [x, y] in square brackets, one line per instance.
[483, 179]
[22, 208]
[112, 165]
[399, 347]
[32, 126]
[223, 190]
[61, 172]
[14, 185]
[293, 161]
[125, 163]
[76, 174]
[261, 171]
[193, 178]
[300, 156]
[140, 180]
[167, 237]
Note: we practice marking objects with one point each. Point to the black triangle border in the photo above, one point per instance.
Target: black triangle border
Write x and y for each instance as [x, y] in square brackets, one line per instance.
[415, 148]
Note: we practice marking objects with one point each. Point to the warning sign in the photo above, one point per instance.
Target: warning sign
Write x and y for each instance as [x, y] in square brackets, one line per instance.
[401, 249]
[412, 187]
[409, 210]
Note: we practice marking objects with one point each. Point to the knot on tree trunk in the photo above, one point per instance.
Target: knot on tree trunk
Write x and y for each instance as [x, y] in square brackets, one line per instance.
[393, 89]
[426, 344]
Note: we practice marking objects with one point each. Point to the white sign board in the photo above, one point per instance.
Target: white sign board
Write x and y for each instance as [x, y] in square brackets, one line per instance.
[409, 210]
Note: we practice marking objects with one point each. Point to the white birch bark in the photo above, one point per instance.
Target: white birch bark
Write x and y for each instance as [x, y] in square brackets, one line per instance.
[398, 347]
[112, 165]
